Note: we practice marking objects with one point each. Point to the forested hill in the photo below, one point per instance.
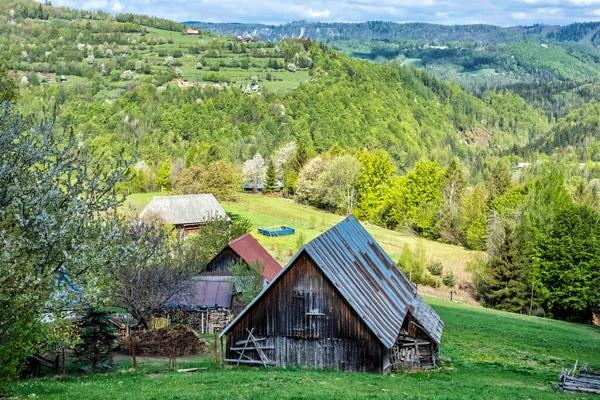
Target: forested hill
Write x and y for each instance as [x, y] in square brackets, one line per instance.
[371, 30]
[435, 33]
[478, 57]
[121, 93]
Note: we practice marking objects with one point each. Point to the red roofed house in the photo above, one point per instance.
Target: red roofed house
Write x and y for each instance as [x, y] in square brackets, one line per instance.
[191, 32]
[244, 248]
[208, 301]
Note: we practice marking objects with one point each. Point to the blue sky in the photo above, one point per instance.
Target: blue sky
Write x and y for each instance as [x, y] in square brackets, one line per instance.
[503, 13]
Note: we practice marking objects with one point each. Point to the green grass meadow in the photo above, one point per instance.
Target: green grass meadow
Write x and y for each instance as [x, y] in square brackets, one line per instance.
[485, 354]
[310, 222]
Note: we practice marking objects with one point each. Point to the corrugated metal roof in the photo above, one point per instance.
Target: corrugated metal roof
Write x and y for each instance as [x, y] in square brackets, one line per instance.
[185, 209]
[368, 279]
[248, 248]
[203, 294]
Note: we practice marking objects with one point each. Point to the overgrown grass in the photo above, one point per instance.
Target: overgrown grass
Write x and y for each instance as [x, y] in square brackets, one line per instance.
[485, 354]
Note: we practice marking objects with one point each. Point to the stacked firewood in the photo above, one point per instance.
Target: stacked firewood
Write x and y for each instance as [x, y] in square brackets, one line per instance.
[203, 322]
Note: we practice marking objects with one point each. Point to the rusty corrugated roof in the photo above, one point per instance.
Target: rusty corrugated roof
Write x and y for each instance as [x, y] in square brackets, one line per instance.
[368, 279]
[251, 251]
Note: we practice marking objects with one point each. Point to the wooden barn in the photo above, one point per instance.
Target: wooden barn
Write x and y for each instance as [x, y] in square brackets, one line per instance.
[248, 250]
[341, 303]
[185, 212]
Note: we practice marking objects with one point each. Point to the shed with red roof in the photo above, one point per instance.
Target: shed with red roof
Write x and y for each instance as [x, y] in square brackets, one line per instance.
[245, 248]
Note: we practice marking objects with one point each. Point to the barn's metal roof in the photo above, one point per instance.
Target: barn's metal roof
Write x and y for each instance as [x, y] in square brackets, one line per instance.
[201, 294]
[185, 209]
[368, 279]
[248, 248]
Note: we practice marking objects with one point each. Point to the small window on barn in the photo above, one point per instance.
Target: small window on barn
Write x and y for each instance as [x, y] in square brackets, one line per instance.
[307, 314]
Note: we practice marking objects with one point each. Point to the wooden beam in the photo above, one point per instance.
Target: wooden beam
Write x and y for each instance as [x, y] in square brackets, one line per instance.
[254, 362]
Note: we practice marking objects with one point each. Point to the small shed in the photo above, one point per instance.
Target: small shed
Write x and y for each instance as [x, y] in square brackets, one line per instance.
[341, 303]
[248, 249]
[186, 212]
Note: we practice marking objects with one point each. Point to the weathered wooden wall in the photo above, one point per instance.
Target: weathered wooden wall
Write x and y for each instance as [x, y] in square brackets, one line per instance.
[222, 261]
[306, 322]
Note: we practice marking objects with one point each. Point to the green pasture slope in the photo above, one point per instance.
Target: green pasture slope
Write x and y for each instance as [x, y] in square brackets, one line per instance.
[310, 222]
[485, 354]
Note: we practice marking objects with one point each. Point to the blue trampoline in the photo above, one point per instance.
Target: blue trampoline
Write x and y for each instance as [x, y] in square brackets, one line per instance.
[276, 231]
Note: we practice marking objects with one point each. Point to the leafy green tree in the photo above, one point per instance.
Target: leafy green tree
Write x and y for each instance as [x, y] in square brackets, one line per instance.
[376, 174]
[247, 279]
[271, 178]
[163, 176]
[473, 218]
[8, 89]
[415, 197]
[336, 185]
[57, 224]
[98, 338]
[569, 263]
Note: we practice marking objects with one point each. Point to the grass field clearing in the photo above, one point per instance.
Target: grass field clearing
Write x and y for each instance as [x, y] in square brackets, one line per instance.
[485, 354]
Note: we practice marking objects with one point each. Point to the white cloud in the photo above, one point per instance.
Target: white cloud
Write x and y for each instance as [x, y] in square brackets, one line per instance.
[519, 15]
[117, 7]
[318, 14]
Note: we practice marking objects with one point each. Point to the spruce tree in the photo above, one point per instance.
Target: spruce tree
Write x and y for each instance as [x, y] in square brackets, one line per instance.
[271, 180]
[97, 338]
[506, 272]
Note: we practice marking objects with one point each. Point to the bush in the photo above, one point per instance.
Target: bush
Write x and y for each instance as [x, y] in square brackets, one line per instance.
[449, 280]
[435, 268]
[429, 280]
[177, 53]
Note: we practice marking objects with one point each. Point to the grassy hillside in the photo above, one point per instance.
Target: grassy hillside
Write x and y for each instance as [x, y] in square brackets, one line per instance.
[484, 354]
[310, 222]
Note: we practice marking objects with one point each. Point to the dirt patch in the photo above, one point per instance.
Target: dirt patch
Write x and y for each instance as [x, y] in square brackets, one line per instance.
[178, 341]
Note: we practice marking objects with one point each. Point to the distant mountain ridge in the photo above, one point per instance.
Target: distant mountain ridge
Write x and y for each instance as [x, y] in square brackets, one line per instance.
[380, 30]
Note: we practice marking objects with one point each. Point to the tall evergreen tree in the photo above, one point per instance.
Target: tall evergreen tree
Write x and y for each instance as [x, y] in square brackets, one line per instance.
[98, 338]
[507, 275]
[498, 181]
[271, 179]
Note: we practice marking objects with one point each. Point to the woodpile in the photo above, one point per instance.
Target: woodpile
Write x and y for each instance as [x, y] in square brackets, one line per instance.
[172, 341]
[588, 381]
[202, 322]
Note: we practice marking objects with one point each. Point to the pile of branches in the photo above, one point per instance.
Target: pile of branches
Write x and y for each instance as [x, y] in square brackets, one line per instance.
[172, 341]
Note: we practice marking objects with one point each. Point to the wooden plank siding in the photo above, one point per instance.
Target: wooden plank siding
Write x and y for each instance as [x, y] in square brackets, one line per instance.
[307, 322]
[222, 261]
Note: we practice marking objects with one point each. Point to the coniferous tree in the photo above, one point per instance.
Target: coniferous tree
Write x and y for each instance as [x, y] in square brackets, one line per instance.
[271, 179]
[498, 181]
[507, 276]
[97, 338]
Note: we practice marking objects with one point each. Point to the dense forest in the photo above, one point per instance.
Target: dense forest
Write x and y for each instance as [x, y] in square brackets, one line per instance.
[478, 57]
[513, 172]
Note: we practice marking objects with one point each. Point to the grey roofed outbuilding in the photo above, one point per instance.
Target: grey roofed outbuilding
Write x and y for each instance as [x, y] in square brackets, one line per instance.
[185, 209]
[368, 279]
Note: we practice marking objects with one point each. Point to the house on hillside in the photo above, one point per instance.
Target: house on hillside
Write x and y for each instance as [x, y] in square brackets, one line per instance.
[341, 303]
[193, 32]
[248, 188]
[209, 300]
[186, 212]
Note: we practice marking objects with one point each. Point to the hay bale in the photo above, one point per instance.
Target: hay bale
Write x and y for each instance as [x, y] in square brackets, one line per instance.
[171, 341]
